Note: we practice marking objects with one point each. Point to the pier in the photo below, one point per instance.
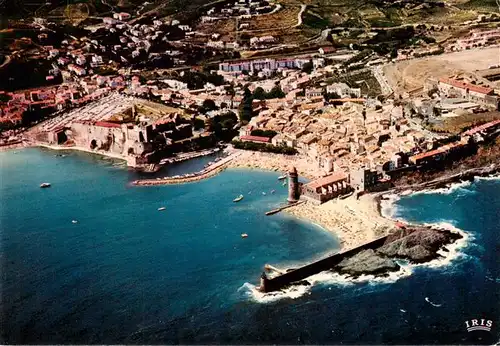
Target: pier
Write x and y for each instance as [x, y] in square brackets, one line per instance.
[295, 275]
[210, 171]
[188, 156]
[277, 210]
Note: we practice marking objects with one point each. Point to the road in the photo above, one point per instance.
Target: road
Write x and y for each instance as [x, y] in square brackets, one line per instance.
[299, 16]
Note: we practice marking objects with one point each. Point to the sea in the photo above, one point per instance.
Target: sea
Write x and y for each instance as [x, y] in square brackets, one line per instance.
[91, 260]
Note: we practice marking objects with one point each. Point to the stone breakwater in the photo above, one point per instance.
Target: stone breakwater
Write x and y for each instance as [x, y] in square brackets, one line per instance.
[208, 172]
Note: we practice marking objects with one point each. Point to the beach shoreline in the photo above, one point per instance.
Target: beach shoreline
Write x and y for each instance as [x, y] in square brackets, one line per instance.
[273, 162]
[81, 149]
[354, 222]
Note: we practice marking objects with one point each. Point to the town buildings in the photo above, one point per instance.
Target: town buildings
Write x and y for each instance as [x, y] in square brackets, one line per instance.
[476, 93]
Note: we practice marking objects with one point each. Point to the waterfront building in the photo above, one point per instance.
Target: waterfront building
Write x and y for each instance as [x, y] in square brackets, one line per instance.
[440, 153]
[365, 179]
[255, 139]
[326, 188]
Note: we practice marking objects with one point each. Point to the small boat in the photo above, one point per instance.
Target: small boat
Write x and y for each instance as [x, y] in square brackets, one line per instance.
[282, 177]
[161, 208]
[74, 221]
[284, 183]
[244, 235]
[237, 199]
[44, 185]
[273, 191]
[263, 193]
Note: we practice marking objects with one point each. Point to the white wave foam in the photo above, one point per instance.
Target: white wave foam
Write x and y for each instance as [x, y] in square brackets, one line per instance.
[328, 278]
[491, 177]
[387, 205]
[453, 250]
[293, 292]
[446, 190]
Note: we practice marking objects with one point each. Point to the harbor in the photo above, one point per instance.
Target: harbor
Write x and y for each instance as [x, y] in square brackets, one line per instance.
[188, 156]
[209, 171]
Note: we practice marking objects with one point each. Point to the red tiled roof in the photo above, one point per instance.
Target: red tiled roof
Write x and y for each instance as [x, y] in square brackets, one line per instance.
[106, 124]
[437, 151]
[350, 100]
[255, 139]
[482, 127]
[463, 85]
[328, 49]
[329, 179]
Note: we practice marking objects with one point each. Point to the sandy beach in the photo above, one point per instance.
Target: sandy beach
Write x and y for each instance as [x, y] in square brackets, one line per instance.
[355, 222]
[273, 162]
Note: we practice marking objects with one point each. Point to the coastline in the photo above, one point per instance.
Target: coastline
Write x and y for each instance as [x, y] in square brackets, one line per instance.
[443, 181]
[354, 222]
[272, 162]
[89, 151]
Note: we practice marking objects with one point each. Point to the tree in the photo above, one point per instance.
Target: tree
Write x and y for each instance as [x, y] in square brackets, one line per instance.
[245, 109]
[209, 125]
[259, 94]
[331, 96]
[208, 105]
[308, 67]
[394, 53]
[433, 91]
[276, 93]
[4, 97]
[198, 124]
[264, 133]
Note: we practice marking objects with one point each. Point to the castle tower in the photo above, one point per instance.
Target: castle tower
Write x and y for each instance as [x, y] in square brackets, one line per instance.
[293, 185]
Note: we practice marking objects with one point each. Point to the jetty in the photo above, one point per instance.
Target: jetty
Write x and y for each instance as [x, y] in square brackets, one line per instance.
[208, 172]
[277, 210]
[296, 275]
[189, 156]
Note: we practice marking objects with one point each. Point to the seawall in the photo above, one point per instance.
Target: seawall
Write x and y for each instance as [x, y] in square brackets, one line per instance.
[208, 172]
[281, 281]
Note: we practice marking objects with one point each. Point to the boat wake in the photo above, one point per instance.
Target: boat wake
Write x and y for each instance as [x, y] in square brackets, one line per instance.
[492, 177]
[433, 304]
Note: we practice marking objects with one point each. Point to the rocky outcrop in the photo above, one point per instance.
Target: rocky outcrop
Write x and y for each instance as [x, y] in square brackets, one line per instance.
[421, 245]
[367, 262]
[416, 244]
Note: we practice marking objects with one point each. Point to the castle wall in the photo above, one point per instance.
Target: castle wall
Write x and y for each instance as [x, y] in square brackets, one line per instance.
[118, 140]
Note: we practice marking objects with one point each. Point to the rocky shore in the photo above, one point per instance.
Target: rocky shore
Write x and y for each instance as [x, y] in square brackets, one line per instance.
[446, 179]
[415, 243]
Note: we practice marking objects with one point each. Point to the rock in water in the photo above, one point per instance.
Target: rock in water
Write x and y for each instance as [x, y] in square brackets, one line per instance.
[421, 245]
[367, 262]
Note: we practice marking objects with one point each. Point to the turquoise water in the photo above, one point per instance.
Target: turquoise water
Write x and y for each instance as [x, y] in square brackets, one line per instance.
[127, 273]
